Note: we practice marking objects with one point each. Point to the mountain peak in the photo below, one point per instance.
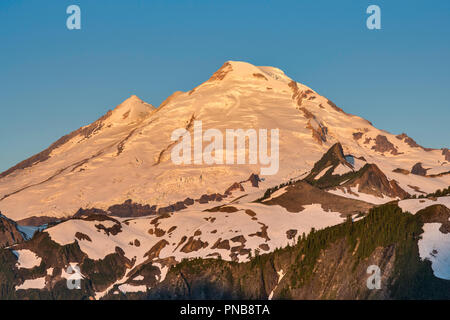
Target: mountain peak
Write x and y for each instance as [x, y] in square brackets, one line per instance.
[131, 110]
[240, 70]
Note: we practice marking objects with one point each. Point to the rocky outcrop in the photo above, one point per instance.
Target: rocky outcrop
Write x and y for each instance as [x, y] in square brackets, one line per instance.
[436, 214]
[371, 180]
[331, 159]
[446, 154]
[38, 221]
[301, 194]
[156, 249]
[193, 245]
[9, 232]
[260, 76]
[382, 145]
[335, 107]
[357, 135]
[402, 171]
[318, 130]
[130, 209]
[222, 72]
[410, 141]
[419, 170]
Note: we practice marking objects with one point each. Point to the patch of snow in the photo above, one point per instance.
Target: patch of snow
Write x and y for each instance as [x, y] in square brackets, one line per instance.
[341, 169]
[124, 288]
[277, 193]
[355, 194]
[27, 259]
[435, 246]
[38, 283]
[280, 276]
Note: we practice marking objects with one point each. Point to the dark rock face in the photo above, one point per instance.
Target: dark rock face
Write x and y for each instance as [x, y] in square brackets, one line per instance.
[410, 141]
[221, 244]
[101, 273]
[446, 154]
[308, 114]
[222, 72]
[319, 133]
[82, 236]
[419, 170]
[290, 234]
[260, 76]
[38, 221]
[332, 158]
[156, 249]
[90, 212]
[382, 144]
[193, 245]
[369, 179]
[9, 232]
[210, 197]
[436, 214]
[235, 186]
[318, 130]
[335, 107]
[357, 135]
[301, 193]
[254, 179]
[372, 180]
[402, 171]
[297, 94]
[130, 209]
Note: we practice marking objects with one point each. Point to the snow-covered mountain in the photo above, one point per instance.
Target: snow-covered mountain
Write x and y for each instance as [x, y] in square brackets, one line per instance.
[126, 153]
[119, 207]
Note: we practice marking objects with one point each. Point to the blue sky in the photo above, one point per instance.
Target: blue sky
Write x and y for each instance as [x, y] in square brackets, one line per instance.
[53, 80]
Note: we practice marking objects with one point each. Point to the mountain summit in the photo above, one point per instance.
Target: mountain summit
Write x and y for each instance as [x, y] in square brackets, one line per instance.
[131, 110]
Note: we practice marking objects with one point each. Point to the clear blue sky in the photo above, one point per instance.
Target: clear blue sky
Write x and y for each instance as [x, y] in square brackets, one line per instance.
[53, 80]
